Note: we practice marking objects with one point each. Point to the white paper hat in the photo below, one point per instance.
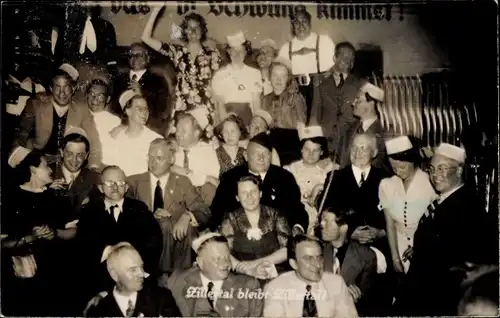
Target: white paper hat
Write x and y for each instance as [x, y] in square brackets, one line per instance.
[236, 40]
[111, 248]
[17, 156]
[76, 130]
[268, 42]
[71, 70]
[264, 115]
[451, 151]
[201, 116]
[284, 61]
[310, 132]
[126, 96]
[398, 144]
[374, 91]
[203, 238]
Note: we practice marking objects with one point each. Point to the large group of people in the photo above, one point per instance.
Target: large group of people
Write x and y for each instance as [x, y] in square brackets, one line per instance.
[250, 192]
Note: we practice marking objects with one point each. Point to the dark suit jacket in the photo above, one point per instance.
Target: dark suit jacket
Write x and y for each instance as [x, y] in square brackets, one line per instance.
[279, 191]
[183, 283]
[345, 142]
[332, 107]
[37, 118]
[97, 229]
[152, 301]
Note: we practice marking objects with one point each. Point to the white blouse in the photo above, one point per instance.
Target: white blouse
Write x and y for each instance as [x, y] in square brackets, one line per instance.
[237, 85]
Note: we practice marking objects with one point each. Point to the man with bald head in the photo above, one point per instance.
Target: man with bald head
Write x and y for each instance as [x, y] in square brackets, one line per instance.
[133, 295]
[112, 219]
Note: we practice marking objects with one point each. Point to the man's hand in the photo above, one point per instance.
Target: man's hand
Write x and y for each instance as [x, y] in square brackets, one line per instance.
[296, 230]
[213, 180]
[59, 184]
[407, 255]
[94, 302]
[161, 214]
[181, 227]
[43, 232]
[367, 234]
[135, 86]
[355, 292]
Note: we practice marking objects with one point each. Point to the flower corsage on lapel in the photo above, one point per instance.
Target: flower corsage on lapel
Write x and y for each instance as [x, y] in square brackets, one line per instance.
[254, 234]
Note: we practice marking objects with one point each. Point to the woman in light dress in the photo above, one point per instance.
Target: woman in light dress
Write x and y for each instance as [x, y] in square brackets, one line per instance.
[404, 198]
[128, 145]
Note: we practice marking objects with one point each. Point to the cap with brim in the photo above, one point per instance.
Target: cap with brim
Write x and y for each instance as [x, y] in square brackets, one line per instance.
[75, 130]
[283, 61]
[310, 132]
[398, 145]
[201, 239]
[264, 140]
[375, 92]
[236, 40]
[17, 156]
[268, 42]
[201, 116]
[264, 115]
[451, 151]
[70, 70]
[126, 96]
[111, 248]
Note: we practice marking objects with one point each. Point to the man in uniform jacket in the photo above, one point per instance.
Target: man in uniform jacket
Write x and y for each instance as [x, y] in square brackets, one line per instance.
[210, 288]
[452, 232]
[279, 188]
[175, 203]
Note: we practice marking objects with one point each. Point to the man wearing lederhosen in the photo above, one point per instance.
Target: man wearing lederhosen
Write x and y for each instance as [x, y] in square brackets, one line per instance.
[308, 52]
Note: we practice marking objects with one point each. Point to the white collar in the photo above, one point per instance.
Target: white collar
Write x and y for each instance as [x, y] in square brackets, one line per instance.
[358, 171]
[205, 281]
[445, 195]
[122, 300]
[262, 174]
[68, 175]
[163, 180]
[368, 122]
[311, 36]
[108, 204]
[337, 74]
[138, 73]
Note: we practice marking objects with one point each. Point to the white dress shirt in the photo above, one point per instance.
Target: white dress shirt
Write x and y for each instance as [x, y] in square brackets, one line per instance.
[262, 175]
[89, 38]
[117, 212]
[336, 77]
[153, 182]
[217, 286]
[237, 85]
[60, 110]
[137, 73]
[357, 172]
[330, 293]
[306, 64]
[68, 175]
[122, 301]
[445, 195]
[26, 84]
[104, 123]
[367, 123]
[203, 162]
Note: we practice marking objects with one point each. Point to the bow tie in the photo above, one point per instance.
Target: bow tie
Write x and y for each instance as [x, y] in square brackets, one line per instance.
[304, 51]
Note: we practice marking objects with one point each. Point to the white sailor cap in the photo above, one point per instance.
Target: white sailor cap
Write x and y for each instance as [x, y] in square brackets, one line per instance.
[264, 115]
[17, 156]
[111, 248]
[201, 239]
[283, 61]
[268, 42]
[70, 70]
[201, 116]
[398, 144]
[310, 132]
[76, 130]
[236, 40]
[126, 96]
[451, 151]
[374, 91]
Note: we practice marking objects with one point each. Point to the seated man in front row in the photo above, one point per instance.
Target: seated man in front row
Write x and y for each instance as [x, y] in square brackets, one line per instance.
[210, 289]
[132, 296]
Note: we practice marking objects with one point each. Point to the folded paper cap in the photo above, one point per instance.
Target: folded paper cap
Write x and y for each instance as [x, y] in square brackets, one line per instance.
[263, 139]
[310, 132]
[283, 61]
[17, 156]
[264, 115]
[236, 40]
[398, 145]
[201, 239]
[70, 70]
[451, 151]
[268, 42]
[76, 130]
[126, 96]
[374, 91]
[201, 116]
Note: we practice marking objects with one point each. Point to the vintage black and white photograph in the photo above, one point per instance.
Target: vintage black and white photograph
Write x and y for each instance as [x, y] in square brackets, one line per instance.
[249, 159]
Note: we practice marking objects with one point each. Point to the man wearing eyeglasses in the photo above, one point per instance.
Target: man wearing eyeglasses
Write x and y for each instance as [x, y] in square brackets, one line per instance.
[112, 219]
[452, 232]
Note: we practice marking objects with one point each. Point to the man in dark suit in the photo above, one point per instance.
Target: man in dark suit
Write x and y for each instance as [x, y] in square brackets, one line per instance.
[133, 295]
[139, 76]
[113, 219]
[279, 188]
[175, 202]
[210, 288]
[365, 110]
[333, 95]
[452, 232]
[358, 264]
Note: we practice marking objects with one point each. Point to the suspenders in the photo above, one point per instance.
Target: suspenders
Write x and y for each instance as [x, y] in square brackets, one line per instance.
[317, 53]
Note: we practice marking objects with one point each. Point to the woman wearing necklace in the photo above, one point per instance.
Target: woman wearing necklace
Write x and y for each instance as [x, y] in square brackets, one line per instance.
[195, 61]
[35, 224]
[404, 198]
[230, 132]
[237, 87]
[257, 234]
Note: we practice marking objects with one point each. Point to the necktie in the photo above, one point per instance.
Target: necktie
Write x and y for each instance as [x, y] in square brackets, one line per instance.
[88, 38]
[186, 158]
[309, 307]
[158, 199]
[71, 181]
[362, 181]
[210, 296]
[130, 309]
[341, 81]
[114, 211]
[134, 77]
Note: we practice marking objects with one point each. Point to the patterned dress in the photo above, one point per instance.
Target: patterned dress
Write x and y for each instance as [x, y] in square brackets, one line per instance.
[225, 161]
[193, 78]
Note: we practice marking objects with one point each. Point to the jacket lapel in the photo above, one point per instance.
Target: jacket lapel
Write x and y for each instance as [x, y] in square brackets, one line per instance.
[72, 119]
[144, 190]
[225, 305]
[170, 189]
[46, 119]
[193, 280]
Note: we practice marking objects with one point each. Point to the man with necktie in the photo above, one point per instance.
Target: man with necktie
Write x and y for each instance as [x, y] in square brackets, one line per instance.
[308, 291]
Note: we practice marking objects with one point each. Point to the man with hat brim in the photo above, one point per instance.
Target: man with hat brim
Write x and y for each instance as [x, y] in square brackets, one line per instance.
[452, 232]
[205, 289]
[365, 110]
[267, 53]
[279, 188]
[51, 117]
